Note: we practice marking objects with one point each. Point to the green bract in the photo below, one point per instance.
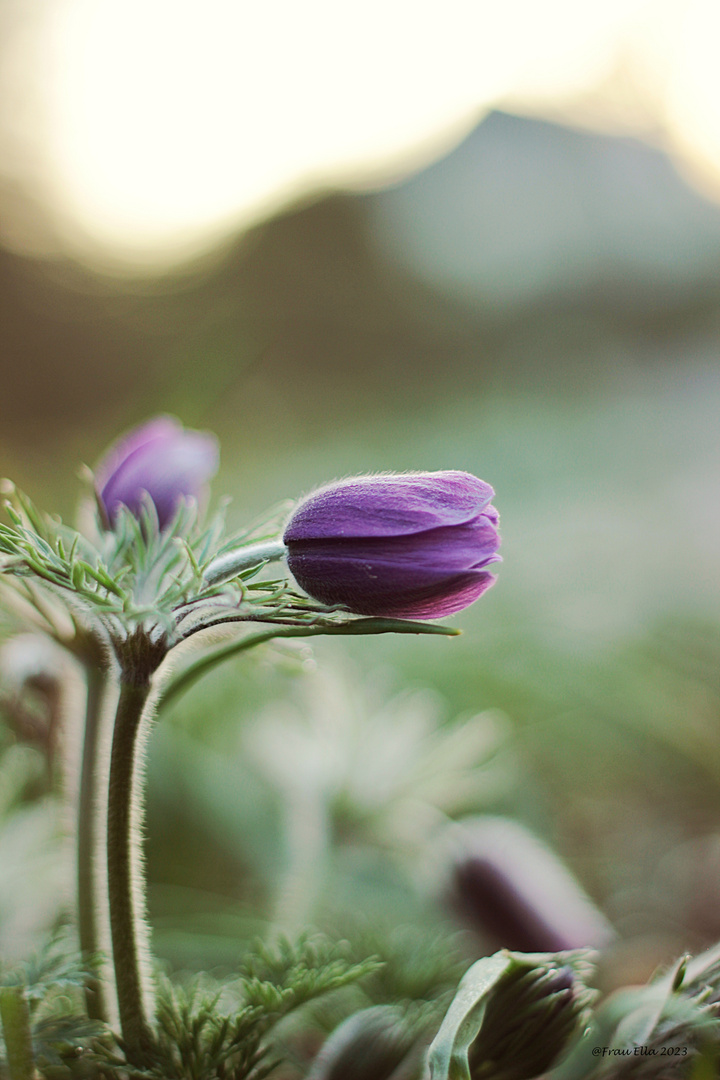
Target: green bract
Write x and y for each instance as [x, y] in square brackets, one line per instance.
[513, 1016]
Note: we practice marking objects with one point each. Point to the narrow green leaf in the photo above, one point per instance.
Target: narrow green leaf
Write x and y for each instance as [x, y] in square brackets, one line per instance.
[78, 576]
[101, 577]
[193, 561]
[13, 515]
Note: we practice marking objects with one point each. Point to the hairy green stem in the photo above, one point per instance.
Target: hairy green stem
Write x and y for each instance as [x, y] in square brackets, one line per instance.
[123, 863]
[89, 837]
[228, 566]
[15, 1017]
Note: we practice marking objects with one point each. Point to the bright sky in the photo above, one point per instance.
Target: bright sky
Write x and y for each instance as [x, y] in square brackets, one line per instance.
[161, 125]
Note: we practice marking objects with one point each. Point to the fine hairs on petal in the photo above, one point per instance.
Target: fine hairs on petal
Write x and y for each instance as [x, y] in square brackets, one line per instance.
[381, 476]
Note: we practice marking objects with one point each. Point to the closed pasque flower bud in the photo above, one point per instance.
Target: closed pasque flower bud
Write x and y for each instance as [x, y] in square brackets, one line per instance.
[530, 1020]
[372, 1044]
[406, 546]
[161, 459]
[513, 1016]
[517, 893]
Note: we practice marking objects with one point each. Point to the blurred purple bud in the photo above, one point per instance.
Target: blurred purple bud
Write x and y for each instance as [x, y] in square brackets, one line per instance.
[404, 546]
[517, 893]
[372, 1044]
[161, 458]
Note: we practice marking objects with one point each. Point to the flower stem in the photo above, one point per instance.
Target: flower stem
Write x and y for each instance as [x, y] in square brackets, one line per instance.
[89, 837]
[15, 1017]
[125, 894]
[307, 838]
[225, 567]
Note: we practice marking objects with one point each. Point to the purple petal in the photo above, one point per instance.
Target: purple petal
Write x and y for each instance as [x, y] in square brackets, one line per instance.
[455, 596]
[492, 900]
[159, 428]
[440, 551]
[370, 589]
[389, 505]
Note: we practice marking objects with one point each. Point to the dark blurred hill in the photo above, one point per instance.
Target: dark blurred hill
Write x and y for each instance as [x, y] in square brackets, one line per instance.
[526, 211]
[531, 252]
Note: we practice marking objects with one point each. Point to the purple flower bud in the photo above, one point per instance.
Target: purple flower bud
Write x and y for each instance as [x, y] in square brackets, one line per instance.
[161, 458]
[530, 1019]
[372, 1044]
[518, 894]
[404, 546]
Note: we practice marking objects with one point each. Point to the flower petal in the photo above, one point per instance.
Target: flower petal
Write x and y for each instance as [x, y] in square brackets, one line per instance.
[389, 505]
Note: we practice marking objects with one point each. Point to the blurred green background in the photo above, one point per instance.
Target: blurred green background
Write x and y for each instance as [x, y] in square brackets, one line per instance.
[540, 307]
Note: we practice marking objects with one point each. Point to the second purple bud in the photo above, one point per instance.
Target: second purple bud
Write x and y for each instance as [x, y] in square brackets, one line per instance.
[161, 459]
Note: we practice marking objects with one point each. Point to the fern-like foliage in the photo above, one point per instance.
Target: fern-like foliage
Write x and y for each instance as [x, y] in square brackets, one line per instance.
[205, 1029]
[225, 1031]
[49, 987]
